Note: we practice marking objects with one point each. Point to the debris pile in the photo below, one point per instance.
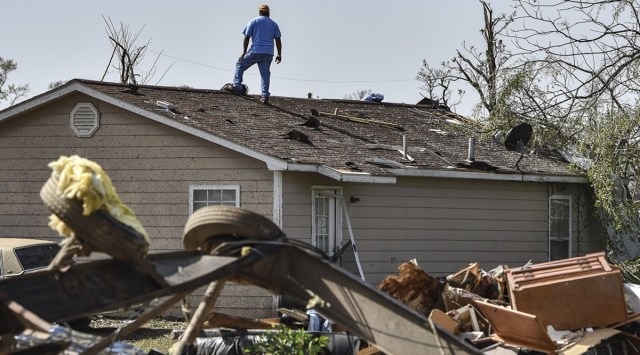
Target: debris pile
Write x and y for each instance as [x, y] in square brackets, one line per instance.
[571, 306]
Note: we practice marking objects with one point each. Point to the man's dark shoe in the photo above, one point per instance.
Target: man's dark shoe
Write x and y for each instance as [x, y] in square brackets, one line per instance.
[264, 100]
[228, 87]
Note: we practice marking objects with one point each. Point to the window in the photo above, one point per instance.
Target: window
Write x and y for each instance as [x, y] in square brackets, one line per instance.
[213, 195]
[559, 227]
[36, 256]
[326, 224]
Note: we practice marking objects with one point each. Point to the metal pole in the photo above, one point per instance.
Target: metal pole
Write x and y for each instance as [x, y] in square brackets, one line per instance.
[353, 242]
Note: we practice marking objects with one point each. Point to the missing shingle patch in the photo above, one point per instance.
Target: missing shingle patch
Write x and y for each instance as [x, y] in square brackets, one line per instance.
[167, 107]
[352, 166]
[297, 136]
[439, 131]
[311, 122]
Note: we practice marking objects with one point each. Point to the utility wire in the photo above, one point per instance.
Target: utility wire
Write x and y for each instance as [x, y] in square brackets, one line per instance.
[290, 79]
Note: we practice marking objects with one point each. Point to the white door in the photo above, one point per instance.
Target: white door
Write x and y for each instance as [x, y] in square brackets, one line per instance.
[326, 224]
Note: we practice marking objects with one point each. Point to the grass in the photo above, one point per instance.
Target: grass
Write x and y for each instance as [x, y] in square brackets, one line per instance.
[155, 334]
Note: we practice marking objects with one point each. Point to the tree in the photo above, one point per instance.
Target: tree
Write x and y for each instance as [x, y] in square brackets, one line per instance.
[129, 55]
[56, 84]
[437, 83]
[571, 71]
[357, 95]
[10, 92]
[589, 48]
[485, 70]
[589, 53]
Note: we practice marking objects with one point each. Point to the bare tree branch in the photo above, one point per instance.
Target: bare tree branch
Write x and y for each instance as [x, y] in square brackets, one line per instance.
[10, 92]
[130, 55]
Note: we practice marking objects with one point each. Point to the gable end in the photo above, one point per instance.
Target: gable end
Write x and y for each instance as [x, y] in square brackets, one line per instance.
[84, 119]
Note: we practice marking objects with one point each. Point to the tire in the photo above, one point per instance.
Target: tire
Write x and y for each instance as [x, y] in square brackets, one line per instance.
[210, 226]
[99, 230]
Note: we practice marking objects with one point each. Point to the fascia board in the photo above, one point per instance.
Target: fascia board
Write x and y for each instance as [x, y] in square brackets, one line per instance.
[37, 101]
[342, 176]
[490, 176]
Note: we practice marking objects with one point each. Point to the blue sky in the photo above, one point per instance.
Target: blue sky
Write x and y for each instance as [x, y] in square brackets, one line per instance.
[331, 48]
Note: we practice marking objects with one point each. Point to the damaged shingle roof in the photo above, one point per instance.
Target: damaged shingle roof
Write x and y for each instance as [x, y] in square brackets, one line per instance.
[346, 137]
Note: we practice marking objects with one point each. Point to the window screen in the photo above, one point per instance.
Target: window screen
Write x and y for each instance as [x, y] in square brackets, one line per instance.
[202, 196]
[559, 227]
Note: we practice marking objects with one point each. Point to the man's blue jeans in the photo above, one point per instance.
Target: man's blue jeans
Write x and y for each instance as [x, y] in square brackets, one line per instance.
[264, 64]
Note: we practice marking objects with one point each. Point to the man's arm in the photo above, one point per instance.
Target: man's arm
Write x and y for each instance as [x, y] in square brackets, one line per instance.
[279, 48]
[245, 46]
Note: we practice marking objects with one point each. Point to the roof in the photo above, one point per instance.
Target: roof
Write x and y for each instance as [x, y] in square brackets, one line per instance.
[347, 140]
[6, 242]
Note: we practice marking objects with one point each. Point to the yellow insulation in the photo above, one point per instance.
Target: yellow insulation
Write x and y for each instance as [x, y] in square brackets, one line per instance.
[82, 179]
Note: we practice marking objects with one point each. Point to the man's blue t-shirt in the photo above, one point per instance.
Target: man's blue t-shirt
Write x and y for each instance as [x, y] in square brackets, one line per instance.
[262, 31]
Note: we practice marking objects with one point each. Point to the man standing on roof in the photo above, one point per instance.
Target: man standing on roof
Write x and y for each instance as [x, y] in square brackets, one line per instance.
[263, 32]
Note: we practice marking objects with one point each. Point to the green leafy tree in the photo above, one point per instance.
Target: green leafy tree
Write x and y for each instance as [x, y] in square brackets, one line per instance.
[503, 83]
[287, 341]
[588, 57]
[10, 92]
[570, 69]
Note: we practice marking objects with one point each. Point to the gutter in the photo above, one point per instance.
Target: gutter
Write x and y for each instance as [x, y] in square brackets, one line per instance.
[450, 174]
[338, 175]
[490, 176]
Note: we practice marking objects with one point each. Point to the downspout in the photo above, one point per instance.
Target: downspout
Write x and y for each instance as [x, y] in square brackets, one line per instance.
[277, 219]
[277, 198]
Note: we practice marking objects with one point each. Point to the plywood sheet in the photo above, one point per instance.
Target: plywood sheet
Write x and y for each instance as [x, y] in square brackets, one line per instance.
[516, 328]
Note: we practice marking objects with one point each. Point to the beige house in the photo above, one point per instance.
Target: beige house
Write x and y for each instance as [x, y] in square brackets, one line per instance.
[400, 181]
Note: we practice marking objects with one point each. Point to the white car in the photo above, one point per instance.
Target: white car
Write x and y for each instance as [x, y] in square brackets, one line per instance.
[23, 255]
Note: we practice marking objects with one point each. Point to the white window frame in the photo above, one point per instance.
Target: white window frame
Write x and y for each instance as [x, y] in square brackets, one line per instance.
[334, 196]
[193, 188]
[569, 224]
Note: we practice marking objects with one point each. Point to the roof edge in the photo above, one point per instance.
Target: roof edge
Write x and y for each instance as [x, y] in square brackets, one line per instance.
[340, 175]
[34, 102]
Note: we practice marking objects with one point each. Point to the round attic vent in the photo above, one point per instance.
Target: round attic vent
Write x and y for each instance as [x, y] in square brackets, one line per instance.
[84, 120]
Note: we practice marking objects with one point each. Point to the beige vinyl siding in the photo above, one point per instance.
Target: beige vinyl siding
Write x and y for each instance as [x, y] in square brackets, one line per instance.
[151, 166]
[443, 223]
